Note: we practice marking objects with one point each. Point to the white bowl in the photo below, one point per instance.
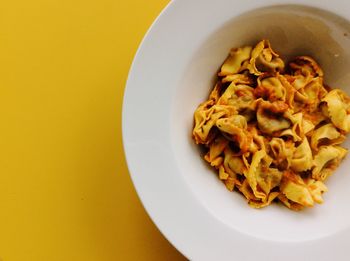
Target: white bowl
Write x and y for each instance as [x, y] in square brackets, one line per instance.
[173, 71]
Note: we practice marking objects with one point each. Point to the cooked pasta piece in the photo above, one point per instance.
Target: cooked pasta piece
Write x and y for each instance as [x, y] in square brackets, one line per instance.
[338, 104]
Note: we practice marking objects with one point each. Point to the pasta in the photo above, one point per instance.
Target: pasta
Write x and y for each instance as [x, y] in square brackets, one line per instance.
[273, 131]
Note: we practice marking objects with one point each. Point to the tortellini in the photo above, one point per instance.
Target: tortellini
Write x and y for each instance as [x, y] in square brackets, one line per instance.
[302, 157]
[264, 59]
[270, 116]
[326, 134]
[338, 104]
[273, 131]
[326, 156]
[235, 60]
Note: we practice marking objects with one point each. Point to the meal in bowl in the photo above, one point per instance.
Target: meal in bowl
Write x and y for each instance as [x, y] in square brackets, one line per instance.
[273, 131]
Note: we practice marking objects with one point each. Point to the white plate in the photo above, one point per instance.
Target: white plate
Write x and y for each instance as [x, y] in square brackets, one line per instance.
[173, 71]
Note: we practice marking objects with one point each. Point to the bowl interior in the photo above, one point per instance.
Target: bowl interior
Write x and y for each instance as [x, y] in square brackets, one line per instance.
[292, 31]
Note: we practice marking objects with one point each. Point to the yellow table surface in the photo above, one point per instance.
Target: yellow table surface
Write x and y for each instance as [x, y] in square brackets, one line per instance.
[65, 191]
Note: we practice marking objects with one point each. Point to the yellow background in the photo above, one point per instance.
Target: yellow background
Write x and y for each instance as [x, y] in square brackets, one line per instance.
[65, 192]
